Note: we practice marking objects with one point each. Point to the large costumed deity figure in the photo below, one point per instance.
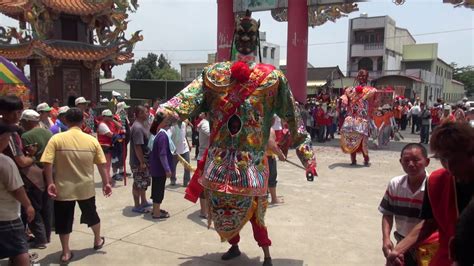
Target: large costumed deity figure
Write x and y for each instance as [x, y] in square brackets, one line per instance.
[355, 129]
[241, 98]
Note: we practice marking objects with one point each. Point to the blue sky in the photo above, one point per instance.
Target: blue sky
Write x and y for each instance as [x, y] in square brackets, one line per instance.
[172, 25]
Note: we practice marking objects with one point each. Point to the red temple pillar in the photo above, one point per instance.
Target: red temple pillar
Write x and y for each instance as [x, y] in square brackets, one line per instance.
[297, 51]
[225, 29]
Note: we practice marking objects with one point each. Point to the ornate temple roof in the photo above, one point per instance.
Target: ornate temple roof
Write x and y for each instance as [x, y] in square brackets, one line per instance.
[78, 7]
[12, 8]
[15, 8]
[65, 50]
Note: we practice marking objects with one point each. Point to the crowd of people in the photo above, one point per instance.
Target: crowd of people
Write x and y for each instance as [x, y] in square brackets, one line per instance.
[324, 118]
[45, 170]
[40, 162]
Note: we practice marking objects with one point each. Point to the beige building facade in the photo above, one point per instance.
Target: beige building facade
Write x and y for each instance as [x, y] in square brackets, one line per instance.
[375, 44]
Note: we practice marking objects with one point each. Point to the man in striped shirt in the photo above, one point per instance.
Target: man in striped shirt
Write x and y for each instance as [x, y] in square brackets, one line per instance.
[404, 197]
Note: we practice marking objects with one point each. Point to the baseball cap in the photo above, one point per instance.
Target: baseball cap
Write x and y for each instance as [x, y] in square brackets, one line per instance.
[30, 115]
[63, 109]
[81, 100]
[43, 107]
[107, 112]
[5, 128]
[122, 105]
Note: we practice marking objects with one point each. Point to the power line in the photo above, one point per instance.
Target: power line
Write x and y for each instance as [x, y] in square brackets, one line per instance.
[395, 37]
[311, 44]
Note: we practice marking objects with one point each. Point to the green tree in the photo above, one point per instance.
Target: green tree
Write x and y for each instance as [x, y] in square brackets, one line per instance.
[163, 62]
[153, 67]
[144, 68]
[466, 76]
[167, 74]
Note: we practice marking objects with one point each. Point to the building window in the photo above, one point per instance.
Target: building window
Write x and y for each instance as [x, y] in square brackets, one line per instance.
[194, 72]
[366, 63]
[69, 29]
[380, 64]
[272, 53]
[265, 48]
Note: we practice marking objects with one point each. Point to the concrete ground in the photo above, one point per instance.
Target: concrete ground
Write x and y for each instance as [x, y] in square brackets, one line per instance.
[331, 221]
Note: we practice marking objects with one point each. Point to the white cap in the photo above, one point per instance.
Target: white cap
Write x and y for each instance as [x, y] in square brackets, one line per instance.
[386, 106]
[122, 105]
[107, 112]
[30, 115]
[447, 107]
[104, 100]
[43, 107]
[81, 100]
[63, 109]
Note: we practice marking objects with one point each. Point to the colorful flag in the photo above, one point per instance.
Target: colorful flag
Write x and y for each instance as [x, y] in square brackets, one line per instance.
[10, 74]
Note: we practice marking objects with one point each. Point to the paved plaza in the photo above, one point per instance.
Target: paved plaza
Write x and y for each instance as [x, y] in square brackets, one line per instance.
[332, 221]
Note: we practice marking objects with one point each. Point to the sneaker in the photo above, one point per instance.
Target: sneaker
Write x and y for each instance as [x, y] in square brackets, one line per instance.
[117, 177]
[233, 252]
[128, 174]
[38, 245]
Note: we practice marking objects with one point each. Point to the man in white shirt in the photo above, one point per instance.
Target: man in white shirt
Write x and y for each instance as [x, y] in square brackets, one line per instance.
[178, 135]
[414, 113]
[204, 134]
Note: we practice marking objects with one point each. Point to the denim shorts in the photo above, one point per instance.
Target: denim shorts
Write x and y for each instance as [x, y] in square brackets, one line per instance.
[12, 239]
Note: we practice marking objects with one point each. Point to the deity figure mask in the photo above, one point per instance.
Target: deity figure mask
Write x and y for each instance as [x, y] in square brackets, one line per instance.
[362, 77]
[246, 34]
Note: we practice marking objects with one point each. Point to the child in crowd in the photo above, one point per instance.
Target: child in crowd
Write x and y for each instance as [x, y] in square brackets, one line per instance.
[404, 197]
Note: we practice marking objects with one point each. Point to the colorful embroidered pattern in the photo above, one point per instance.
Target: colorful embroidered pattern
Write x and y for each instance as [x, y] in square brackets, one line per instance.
[355, 129]
[236, 172]
[241, 170]
[230, 212]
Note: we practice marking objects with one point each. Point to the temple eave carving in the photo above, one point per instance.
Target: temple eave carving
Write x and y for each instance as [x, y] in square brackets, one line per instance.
[64, 50]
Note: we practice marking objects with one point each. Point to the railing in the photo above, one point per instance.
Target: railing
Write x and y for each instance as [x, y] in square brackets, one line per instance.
[373, 46]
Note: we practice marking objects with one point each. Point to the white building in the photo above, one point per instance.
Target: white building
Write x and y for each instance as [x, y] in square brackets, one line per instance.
[270, 55]
[118, 85]
[375, 44]
[270, 51]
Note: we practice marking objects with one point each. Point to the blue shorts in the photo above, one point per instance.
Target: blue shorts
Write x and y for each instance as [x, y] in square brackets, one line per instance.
[12, 239]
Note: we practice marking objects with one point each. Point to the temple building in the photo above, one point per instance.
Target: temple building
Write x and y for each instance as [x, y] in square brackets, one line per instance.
[66, 43]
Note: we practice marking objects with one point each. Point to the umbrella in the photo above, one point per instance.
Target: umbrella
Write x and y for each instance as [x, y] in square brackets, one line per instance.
[10, 74]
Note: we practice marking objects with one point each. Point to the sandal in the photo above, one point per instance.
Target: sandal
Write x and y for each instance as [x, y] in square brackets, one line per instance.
[33, 256]
[163, 215]
[140, 210]
[63, 261]
[97, 247]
